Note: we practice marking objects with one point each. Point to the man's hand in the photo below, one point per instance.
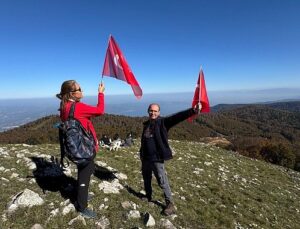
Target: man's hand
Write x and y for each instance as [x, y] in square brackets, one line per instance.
[197, 108]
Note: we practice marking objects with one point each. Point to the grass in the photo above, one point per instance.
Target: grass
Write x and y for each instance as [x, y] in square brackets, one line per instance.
[212, 187]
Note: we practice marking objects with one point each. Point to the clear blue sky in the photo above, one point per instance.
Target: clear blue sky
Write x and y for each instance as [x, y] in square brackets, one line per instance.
[241, 44]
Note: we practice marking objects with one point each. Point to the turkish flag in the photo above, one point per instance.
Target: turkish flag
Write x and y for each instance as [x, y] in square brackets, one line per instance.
[115, 65]
[200, 95]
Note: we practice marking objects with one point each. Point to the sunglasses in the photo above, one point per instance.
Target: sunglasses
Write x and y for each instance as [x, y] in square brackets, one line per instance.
[79, 89]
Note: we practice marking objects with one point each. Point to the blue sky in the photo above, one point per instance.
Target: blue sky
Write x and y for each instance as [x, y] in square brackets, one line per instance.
[241, 44]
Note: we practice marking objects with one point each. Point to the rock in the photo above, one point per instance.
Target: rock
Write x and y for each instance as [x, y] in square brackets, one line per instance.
[51, 205]
[4, 179]
[129, 205]
[103, 223]
[31, 166]
[143, 192]
[102, 206]
[65, 203]
[68, 209]
[14, 175]
[172, 217]
[134, 214]
[207, 163]
[27, 198]
[149, 220]
[165, 223]
[121, 176]
[32, 181]
[54, 212]
[78, 218]
[111, 187]
[4, 217]
[37, 226]
[126, 205]
[100, 163]
[67, 171]
[20, 155]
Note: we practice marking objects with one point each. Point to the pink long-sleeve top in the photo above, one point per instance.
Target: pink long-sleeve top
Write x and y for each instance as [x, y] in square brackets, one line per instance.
[84, 113]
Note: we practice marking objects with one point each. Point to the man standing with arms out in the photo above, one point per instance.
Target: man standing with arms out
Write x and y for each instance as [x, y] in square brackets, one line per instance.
[155, 150]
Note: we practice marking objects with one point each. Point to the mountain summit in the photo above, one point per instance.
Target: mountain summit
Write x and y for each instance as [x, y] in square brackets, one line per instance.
[213, 188]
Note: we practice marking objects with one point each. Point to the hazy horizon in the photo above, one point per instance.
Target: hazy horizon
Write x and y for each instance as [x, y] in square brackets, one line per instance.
[261, 94]
[16, 112]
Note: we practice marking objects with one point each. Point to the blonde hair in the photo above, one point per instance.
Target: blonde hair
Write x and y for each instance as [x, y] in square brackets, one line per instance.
[65, 92]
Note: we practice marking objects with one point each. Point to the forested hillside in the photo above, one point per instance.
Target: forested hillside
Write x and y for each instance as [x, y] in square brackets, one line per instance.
[268, 131]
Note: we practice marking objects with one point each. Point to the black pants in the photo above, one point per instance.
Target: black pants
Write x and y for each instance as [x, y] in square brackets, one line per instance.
[83, 182]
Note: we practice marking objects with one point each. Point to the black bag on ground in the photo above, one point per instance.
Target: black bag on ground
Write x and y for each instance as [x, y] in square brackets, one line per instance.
[75, 142]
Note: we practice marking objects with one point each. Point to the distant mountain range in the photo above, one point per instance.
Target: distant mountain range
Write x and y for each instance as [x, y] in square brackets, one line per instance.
[291, 105]
[252, 130]
[17, 112]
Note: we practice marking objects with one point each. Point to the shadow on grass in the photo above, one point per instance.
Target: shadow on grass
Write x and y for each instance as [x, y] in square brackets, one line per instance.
[103, 173]
[142, 196]
[50, 177]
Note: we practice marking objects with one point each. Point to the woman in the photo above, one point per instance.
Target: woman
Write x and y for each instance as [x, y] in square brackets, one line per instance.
[71, 92]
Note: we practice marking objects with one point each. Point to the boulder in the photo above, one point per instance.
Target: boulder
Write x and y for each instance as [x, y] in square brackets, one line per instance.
[27, 198]
[149, 220]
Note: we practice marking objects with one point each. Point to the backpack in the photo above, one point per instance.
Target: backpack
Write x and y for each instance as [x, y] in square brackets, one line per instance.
[75, 142]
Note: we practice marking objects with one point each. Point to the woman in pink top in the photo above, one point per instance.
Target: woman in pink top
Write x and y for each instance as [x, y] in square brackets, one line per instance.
[71, 92]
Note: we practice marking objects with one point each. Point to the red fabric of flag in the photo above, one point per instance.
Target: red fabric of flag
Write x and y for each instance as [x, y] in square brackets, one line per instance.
[200, 95]
[115, 65]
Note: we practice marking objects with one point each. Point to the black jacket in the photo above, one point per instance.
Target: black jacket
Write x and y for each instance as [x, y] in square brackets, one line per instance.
[161, 128]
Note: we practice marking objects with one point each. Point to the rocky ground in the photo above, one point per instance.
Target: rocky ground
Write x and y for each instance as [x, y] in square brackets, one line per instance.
[212, 187]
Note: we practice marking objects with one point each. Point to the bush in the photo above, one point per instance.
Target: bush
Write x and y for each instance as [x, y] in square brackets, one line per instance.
[278, 154]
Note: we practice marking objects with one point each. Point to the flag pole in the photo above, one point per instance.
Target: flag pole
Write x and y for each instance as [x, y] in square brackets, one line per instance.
[107, 48]
[200, 85]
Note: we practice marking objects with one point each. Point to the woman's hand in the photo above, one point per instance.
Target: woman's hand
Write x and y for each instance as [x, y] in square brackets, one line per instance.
[101, 88]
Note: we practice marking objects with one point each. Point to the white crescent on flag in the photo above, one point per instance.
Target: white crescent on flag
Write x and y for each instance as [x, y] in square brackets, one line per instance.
[117, 61]
[115, 65]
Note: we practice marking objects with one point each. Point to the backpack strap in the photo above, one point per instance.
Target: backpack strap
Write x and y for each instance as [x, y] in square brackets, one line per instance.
[62, 149]
[61, 141]
[72, 110]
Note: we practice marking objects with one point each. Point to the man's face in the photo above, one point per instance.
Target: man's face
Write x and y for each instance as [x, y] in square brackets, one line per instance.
[153, 112]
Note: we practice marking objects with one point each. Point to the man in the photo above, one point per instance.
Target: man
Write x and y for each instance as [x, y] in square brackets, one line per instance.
[155, 150]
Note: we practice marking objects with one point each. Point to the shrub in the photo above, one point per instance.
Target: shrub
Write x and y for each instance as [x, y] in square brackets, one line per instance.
[278, 154]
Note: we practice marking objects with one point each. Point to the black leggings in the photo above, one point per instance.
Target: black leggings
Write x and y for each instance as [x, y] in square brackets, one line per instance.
[83, 182]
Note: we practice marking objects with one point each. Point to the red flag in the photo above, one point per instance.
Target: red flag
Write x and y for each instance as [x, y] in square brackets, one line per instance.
[200, 95]
[115, 65]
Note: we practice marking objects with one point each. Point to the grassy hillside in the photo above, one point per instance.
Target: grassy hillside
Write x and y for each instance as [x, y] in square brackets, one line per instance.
[270, 132]
[212, 187]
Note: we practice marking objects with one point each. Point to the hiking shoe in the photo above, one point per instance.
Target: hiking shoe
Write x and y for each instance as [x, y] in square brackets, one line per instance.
[169, 210]
[89, 214]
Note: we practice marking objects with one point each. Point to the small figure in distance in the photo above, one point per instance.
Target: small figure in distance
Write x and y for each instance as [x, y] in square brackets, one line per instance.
[128, 140]
[105, 141]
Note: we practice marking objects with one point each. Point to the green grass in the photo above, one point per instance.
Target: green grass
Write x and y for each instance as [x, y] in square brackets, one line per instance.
[212, 187]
